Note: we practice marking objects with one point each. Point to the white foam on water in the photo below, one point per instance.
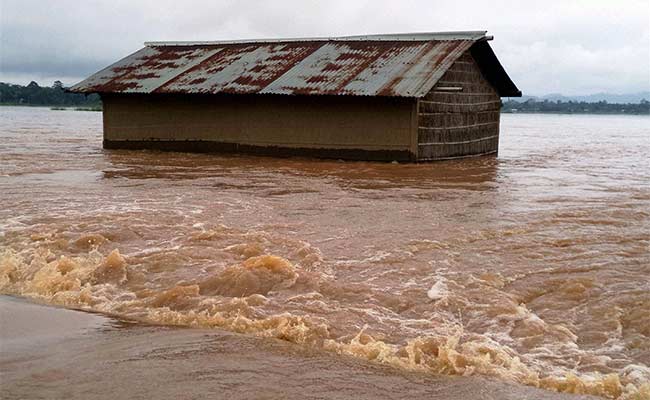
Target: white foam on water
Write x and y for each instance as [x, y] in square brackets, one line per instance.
[439, 290]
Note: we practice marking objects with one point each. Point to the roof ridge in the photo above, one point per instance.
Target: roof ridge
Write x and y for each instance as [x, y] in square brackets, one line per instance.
[407, 37]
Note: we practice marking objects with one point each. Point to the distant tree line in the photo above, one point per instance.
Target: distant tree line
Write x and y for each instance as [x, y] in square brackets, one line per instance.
[575, 107]
[54, 96]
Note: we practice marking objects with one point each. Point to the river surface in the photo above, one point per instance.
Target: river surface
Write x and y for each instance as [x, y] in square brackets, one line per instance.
[532, 267]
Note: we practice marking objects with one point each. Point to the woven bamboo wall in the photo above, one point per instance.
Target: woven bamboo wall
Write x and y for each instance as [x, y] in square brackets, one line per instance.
[463, 123]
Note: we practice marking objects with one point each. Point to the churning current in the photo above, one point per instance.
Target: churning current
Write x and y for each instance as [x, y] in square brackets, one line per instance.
[530, 267]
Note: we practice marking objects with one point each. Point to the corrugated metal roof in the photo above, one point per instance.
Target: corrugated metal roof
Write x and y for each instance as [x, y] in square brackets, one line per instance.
[403, 65]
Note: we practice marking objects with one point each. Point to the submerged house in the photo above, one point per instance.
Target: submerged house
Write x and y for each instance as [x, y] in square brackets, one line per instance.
[407, 97]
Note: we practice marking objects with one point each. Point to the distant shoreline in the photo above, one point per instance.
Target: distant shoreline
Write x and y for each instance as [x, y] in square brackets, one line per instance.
[53, 96]
[503, 111]
[575, 107]
[57, 97]
[574, 113]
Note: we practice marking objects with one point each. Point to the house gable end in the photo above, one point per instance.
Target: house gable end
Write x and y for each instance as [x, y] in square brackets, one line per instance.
[459, 116]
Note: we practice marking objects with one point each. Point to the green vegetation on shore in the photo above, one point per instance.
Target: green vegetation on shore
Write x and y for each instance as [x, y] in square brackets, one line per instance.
[575, 107]
[54, 96]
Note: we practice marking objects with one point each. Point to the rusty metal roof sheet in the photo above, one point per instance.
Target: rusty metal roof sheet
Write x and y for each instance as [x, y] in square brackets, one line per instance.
[403, 65]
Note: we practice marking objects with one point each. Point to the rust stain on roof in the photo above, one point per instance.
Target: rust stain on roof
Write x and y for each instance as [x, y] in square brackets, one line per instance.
[394, 65]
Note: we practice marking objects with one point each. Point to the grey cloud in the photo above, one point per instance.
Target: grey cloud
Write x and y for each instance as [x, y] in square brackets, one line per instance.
[575, 47]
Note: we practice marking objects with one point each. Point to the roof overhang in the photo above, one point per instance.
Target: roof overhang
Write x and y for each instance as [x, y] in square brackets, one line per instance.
[493, 70]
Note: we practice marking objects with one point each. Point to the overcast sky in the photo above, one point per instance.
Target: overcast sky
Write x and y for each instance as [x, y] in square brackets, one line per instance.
[550, 46]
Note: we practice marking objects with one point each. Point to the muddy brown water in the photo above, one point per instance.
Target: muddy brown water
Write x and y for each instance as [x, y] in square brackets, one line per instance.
[54, 353]
[532, 267]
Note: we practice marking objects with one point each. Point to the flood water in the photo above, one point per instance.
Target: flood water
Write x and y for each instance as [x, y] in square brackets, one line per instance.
[532, 267]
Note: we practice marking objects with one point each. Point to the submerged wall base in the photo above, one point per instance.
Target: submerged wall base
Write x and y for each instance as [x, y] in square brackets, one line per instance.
[206, 146]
